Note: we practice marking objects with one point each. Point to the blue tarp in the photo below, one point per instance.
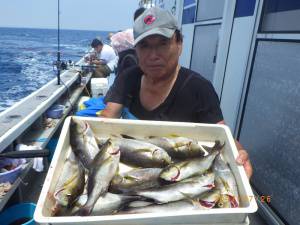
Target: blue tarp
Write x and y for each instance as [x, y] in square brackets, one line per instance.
[94, 106]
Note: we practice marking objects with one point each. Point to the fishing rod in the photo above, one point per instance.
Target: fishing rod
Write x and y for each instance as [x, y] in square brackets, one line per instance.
[58, 45]
[58, 63]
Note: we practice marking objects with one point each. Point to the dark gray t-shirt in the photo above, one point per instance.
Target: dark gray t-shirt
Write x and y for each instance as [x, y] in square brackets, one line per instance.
[192, 98]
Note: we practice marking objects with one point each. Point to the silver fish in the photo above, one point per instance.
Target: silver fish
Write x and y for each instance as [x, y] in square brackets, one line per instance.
[142, 154]
[102, 171]
[205, 201]
[136, 179]
[176, 206]
[226, 183]
[184, 169]
[70, 183]
[190, 187]
[183, 147]
[83, 141]
[107, 204]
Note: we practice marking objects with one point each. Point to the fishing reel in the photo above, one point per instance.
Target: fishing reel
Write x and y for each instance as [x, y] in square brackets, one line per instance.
[62, 65]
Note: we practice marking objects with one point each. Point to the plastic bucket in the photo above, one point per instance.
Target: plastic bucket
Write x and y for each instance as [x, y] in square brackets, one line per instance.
[11, 175]
[18, 213]
[55, 111]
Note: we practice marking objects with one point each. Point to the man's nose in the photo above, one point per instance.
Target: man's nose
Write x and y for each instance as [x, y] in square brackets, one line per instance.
[153, 51]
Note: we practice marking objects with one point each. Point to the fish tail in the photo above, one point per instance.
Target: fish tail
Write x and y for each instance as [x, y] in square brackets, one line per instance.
[84, 211]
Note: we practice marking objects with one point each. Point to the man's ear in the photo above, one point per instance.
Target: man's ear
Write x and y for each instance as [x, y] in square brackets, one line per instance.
[179, 48]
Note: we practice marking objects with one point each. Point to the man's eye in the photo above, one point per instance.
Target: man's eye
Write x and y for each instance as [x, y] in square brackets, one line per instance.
[164, 43]
[143, 46]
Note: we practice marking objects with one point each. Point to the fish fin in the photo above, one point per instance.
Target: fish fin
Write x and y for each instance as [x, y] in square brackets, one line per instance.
[187, 196]
[150, 137]
[224, 182]
[184, 164]
[130, 178]
[218, 146]
[127, 136]
[194, 201]
[144, 150]
[84, 211]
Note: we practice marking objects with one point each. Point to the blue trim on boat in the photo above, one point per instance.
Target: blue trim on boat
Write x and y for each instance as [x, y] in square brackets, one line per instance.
[244, 8]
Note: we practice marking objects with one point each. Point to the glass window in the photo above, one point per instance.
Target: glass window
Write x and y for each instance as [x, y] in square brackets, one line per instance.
[281, 16]
[270, 128]
[204, 50]
[188, 2]
[188, 15]
[210, 9]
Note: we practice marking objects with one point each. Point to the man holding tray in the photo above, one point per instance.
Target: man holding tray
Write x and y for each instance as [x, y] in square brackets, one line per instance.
[159, 88]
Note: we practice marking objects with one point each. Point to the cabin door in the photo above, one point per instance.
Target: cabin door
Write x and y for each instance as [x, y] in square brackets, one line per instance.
[206, 26]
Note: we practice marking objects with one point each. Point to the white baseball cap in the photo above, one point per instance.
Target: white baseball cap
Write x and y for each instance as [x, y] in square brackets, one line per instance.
[154, 21]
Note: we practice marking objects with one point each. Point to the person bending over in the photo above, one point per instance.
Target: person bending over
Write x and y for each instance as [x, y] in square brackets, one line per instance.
[103, 57]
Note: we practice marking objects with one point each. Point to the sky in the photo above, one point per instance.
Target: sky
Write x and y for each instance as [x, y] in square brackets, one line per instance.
[105, 15]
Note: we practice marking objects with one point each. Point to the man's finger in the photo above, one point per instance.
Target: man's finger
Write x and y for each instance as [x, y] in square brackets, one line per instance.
[248, 168]
[242, 157]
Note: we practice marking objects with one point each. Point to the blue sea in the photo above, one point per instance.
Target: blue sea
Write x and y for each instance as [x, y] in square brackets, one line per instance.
[27, 55]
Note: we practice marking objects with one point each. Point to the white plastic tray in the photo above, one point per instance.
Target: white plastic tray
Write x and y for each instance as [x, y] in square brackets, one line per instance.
[201, 132]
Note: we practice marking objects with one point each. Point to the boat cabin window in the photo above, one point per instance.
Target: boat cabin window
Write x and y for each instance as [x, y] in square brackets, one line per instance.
[281, 15]
[210, 9]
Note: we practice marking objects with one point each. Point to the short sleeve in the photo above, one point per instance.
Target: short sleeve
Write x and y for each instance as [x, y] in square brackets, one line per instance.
[123, 86]
[208, 111]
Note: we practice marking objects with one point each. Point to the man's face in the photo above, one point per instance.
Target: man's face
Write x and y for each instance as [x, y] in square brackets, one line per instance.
[98, 48]
[158, 56]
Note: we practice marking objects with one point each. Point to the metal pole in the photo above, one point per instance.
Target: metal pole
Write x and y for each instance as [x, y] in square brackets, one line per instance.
[58, 45]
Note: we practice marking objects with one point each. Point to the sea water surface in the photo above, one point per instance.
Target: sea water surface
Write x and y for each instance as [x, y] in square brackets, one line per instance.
[27, 56]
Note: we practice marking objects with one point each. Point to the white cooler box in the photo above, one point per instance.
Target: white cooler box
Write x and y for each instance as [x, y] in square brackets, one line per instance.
[99, 86]
[201, 132]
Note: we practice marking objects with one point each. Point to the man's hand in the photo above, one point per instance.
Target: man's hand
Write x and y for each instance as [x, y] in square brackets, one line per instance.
[243, 159]
[112, 110]
[98, 62]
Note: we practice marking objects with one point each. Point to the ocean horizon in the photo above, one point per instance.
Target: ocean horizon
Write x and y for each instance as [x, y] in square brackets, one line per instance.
[27, 56]
[61, 29]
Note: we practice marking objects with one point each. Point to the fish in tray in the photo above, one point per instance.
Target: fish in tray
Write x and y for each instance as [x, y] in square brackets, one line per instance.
[190, 187]
[142, 154]
[183, 147]
[136, 179]
[226, 183]
[70, 183]
[103, 169]
[107, 204]
[179, 147]
[83, 141]
[205, 201]
[188, 168]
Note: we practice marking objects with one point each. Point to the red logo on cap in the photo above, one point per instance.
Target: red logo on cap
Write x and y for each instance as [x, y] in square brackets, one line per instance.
[149, 19]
